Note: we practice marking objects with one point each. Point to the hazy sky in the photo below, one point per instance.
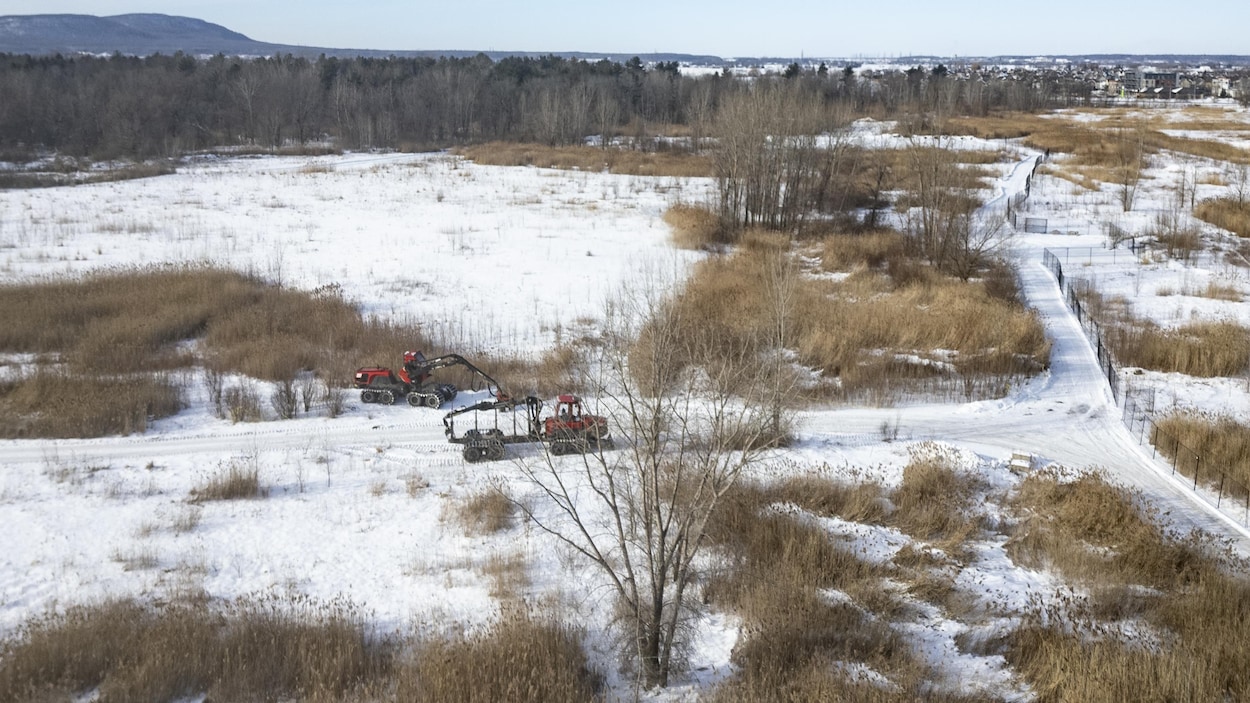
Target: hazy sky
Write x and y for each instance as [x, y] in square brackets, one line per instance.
[725, 28]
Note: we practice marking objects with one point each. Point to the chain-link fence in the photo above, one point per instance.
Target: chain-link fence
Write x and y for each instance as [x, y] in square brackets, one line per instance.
[1138, 412]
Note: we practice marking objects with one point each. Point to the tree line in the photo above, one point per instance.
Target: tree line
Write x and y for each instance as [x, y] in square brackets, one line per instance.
[164, 106]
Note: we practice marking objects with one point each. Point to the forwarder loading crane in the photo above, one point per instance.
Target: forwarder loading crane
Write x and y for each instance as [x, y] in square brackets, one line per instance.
[569, 431]
[413, 381]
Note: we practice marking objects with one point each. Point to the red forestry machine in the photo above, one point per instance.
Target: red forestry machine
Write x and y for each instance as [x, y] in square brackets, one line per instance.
[569, 431]
[413, 381]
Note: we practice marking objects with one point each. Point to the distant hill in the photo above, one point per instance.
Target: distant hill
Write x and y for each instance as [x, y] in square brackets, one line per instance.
[138, 34]
[145, 34]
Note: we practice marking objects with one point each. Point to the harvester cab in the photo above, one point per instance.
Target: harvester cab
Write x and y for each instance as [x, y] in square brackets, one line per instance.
[570, 430]
[414, 381]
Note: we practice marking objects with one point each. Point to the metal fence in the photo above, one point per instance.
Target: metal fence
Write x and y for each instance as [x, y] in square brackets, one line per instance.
[1139, 411]
[1018, 201]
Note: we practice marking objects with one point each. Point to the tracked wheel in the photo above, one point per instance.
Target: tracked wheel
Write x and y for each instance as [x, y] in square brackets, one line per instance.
[368, 396]
[474, 454]
[432, 400]
[494, 450]
[386, 397]
[415, 399]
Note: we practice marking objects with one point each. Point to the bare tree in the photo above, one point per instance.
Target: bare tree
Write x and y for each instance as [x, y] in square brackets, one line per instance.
[308, 391]
[335, 398]
[214, 383]
[699, 110]
[770, 161]
[1130, 163]
[780, 294]
[285, 399]
[1239, 181]
[638, 513]
[939, 209]
[975, 240]
[607, 114]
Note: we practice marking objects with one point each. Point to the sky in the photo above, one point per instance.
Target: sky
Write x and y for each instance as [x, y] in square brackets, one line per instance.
[726, 28]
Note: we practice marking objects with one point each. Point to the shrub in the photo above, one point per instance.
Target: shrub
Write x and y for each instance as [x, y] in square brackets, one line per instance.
[285, 399]
[242, 403]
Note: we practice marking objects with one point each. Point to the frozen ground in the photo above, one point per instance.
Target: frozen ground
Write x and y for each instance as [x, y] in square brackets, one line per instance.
[358, 506]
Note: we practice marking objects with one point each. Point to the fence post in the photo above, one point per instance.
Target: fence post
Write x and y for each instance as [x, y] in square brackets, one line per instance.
[1219, 498]
[1197, 469]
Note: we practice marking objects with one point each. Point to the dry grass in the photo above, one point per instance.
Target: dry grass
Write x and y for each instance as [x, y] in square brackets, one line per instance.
[872, 334]
[874, 250]
[933, 503]
[970, 176]
[587, 158]
[1176, 235]
[239, 480]
[137, 321]
[1213, 290]
[857, 502]
[520, 658]
[1094, 149]
[66, 172]
[62, 404]
[270, 649]
[782, 564]
[810, 606]
[1226, 213]
[485, 512]
[554, 372]
[509, 576]
[696, 228]
[1221, 441]
[1162, 621]
[1203, 349]
[250, 650]
[134, 319]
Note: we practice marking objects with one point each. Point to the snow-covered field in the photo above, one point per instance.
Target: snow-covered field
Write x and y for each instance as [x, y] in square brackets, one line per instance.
[505, 258]
[495, 257]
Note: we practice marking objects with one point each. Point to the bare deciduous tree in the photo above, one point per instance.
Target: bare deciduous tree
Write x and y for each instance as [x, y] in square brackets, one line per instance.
[769, 158]
[1131, 162]
[285, 399]
[638, 513]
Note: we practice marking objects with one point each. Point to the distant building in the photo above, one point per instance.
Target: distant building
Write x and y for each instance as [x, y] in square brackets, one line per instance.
[1136, 80]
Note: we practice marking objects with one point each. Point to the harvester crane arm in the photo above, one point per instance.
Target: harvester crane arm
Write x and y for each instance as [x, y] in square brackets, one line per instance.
[418, 366]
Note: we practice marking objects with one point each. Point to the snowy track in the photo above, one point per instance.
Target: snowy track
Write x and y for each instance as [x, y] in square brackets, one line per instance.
[1066, 416]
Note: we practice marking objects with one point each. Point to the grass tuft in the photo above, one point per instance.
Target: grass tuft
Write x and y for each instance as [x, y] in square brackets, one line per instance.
[237, 481]
[696, 228]
[520, 658]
